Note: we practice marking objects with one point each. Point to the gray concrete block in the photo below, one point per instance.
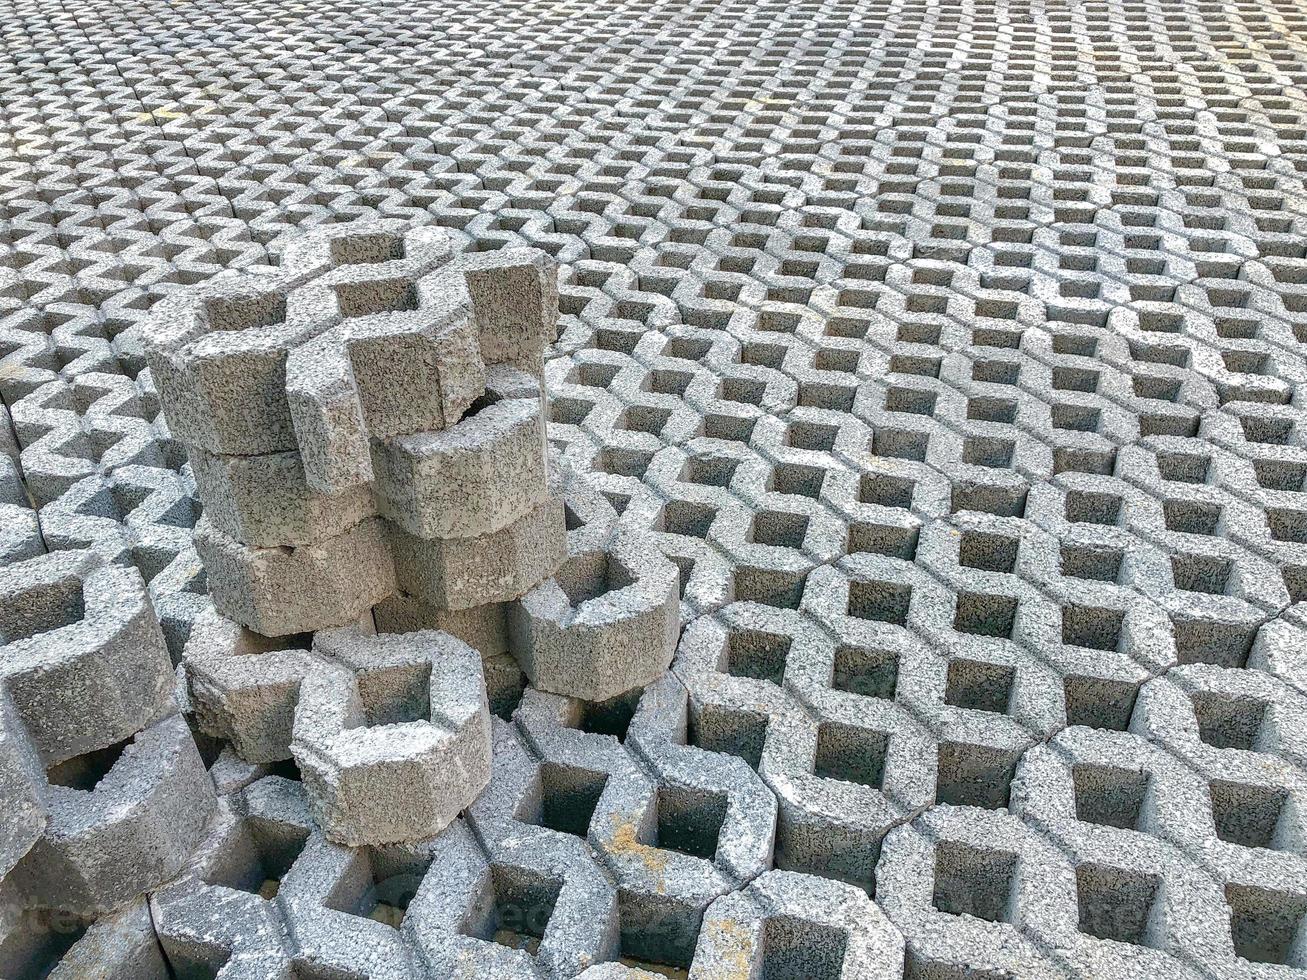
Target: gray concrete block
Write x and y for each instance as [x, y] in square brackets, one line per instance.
[243, 686]
[86, 664]
[265, 501]
[475, 477]
[63, 945]
[795, 924]
[217, 354]
[280, 591]
[460, 573]
[21, 781]
[515, 302]
[400, 364]
[606, 622]
[395, 741]
[122, 820]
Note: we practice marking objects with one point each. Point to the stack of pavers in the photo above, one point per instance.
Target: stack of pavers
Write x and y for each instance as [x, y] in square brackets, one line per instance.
[104, 793]
[366, 428]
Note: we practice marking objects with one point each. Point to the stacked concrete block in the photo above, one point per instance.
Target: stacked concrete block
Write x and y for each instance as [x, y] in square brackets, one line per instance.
[349, 438]
[395, 742]
[605, 623]
[105, 789]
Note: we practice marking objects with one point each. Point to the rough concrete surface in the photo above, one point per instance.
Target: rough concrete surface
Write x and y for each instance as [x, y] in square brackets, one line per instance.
[861, 443]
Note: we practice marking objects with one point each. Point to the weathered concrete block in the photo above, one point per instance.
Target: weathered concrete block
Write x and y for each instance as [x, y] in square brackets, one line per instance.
[393, 743]
[243, 686]
[217, 353]
[265, 501]
[123, 820]
[459, 573]
[85, 663]
[787, 924]
[410, 363]
[279, 591]
[515, 302]
[606, 622]
[475, 477]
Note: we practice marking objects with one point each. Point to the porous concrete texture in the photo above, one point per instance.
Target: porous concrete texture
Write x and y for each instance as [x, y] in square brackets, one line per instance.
[395, 741]
[945, 360]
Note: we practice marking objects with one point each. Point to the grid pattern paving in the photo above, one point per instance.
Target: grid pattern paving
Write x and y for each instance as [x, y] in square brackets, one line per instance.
[954, 353]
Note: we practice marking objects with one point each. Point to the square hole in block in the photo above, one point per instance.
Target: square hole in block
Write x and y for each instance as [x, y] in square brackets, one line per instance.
[380, 885]
[911, 400]
[709, 471]
[975, 775]
[746, 391]
[988, 550]
[778, 587]
[368, 297]
[688, 518]
[1183, 467]
[514, 907]
[1119, 904]
[850, 754]
[690, 820]
[885, 490]
[1092, 507]
[886, 602]
[1206, 641]
[1226, 722]
[979, 686]
[797, 479]
[1093, 627]
[1001, 501]
[1249, 815]
[812, 435]
[757, 654]
[893, 540]
[248, 312]
[595, 375]
[366, 249]
[623, 462]
[1077, 418]
[1287, 524]
[569, 411]
[1267, 925]
[780, 529]
[794, 948]
[1109, 795]
[34, 945]
[611, 717]
[1191, 516]
[987, 409]
[974, 881]
[1100, 564]
[733, 731]
[644, 418]
[568, 797]
[988, 451]
[984, 614]
[41, 609]
[900, 443]
[868, 672]
[84, 772]
[731, 428]
[1201, 573]
[258, 856]
[1277, 474]
[590, 576]
[1099, 702]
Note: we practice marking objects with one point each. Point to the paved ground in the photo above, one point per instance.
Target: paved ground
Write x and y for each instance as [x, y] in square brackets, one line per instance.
[955, 350]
